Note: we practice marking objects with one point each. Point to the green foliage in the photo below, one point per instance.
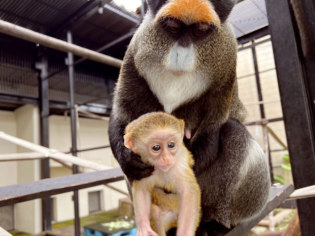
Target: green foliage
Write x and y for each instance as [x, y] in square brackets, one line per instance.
[286, 158]
[16, 233]
[279, 179]
[286, 166]
[92, 218]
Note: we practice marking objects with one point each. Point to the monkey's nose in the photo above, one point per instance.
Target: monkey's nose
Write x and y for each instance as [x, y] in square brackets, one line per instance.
[181, 58]
[185, 42]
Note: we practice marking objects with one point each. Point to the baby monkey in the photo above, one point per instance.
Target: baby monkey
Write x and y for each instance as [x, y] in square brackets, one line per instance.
[170, 197]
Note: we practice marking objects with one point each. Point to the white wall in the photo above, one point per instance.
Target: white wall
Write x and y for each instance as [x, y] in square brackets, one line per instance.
[28, 214]
[24, 123]
[91, 133]
[270, 93]
[8, 170]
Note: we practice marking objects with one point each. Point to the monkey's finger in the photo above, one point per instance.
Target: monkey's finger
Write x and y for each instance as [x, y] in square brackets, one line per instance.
[152, 233]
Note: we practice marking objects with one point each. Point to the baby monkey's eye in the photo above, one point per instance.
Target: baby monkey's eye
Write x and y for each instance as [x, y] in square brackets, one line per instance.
[171, 145]
[156, 148]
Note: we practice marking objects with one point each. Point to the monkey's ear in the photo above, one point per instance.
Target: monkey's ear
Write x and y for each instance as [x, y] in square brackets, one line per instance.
[155, 5]
[223, 8]
[182, 124]
[128, 142]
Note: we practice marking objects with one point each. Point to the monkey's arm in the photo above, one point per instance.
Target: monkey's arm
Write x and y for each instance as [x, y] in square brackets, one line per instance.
[130, 162]
[205, 150]
[133, 98]
[189, 205]
[142, 205]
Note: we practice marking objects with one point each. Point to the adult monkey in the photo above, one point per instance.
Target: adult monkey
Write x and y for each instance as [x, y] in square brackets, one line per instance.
[182, 60]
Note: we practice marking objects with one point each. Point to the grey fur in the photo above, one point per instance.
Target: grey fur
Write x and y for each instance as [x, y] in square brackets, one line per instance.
[220, 144]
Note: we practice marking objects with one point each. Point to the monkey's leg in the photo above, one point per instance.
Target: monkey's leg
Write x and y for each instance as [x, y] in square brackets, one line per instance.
[236, 185]
[162, 220]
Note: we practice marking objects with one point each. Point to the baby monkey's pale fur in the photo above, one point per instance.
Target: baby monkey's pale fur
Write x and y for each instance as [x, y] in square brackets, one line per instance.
[158, 139]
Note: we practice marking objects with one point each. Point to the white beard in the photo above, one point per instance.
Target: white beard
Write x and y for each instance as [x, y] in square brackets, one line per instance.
[176, 82]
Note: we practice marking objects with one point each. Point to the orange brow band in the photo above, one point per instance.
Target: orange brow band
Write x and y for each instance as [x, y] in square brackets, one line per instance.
[190, 11]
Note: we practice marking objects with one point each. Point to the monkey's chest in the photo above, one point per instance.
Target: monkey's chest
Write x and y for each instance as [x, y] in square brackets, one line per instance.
[174, 90]
[164, 181]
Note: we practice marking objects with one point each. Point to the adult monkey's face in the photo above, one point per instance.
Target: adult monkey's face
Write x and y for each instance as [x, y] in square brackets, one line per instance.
[184, 47]
[186, 36]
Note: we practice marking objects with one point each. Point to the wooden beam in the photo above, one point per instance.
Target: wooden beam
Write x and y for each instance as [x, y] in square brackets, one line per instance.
[273, 134]
[43, 152]
[54, 154]
[47, 187]
[50, 42]
[21, 156]
[4, 233]
[301, 193]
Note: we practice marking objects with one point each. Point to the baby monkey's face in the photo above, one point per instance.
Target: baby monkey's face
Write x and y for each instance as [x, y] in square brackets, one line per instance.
[162, 147]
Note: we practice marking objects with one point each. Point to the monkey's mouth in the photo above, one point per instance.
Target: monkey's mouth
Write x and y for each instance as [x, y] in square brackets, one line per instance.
[165, 168]
[178, 72]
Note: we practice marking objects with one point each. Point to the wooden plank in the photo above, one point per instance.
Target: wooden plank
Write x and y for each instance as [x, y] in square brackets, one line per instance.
[276, 197]
[54, 154]
[21, 156]
[4, 233]
[47, 187]
[276, 137]
[301, 193]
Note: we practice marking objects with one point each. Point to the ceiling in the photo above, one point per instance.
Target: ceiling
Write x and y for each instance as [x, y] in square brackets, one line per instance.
[248, 16]
[95, 24]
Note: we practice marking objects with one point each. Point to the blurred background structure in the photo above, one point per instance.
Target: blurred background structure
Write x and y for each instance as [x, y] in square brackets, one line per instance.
[47, 99]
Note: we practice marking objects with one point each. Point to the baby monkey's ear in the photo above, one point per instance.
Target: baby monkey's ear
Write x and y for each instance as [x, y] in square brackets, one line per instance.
[186, 130]
[128, 142]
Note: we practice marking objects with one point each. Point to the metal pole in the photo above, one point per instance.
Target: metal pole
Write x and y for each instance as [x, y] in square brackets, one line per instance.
[44, 132]
[73, 133]
[143, 10]
[103, 48]
[268, 153]
[262, 111]
[296, 104]
[91, 149]
[260, 97]
[50, 42]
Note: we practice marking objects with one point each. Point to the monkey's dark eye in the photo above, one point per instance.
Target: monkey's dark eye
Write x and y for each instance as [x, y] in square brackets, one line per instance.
[171, 145]
[172, 26]
[201, 29]
[156, 148]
